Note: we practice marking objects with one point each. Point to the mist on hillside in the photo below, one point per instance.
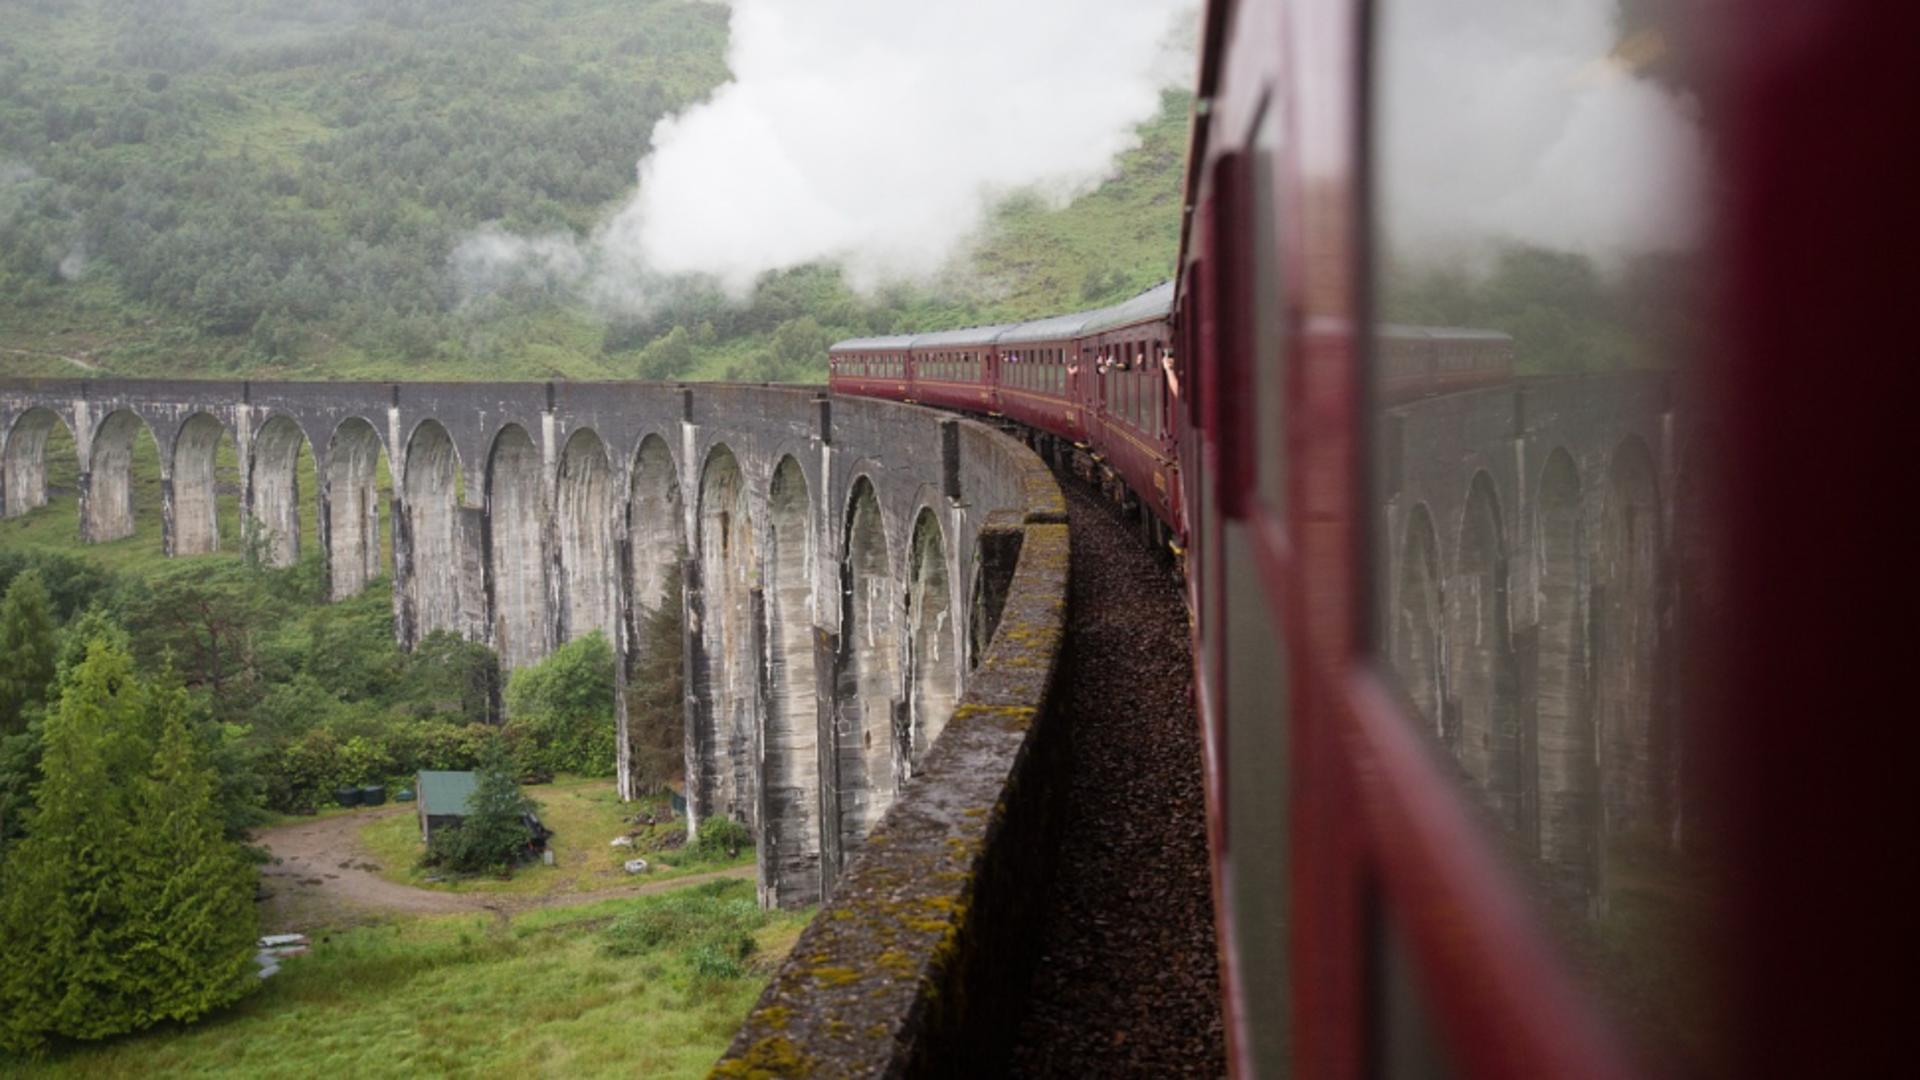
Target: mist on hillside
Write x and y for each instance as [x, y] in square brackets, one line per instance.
[452, 187]
[869, 134]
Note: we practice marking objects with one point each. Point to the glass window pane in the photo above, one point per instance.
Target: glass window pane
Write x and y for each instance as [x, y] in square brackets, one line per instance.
[1540, 208]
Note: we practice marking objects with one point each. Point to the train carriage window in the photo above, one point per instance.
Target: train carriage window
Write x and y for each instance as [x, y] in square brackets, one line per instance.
[1538, 213]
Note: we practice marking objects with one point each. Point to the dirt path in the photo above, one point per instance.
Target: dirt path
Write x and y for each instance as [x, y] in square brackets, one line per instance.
[324, 878]
[81, 362]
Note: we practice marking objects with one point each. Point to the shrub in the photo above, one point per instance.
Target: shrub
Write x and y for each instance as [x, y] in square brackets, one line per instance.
[722, 836]
[434, 744]
[560, 711]
[453, 678]
[706, 924]
[715, 961]
[364, 760]
[305, 770]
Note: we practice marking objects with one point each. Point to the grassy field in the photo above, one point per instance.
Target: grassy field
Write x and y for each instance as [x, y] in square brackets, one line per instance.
[585, 815]
[652, 987]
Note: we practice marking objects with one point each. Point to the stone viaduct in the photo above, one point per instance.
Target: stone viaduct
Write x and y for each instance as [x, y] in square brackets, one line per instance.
[844, 565]
[829, 552]
[1534, 535]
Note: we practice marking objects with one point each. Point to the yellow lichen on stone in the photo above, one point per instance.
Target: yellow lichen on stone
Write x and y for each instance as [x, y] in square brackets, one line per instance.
[773, 1058]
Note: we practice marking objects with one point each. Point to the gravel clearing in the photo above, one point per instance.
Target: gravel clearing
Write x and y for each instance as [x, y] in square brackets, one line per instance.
[1126, 983]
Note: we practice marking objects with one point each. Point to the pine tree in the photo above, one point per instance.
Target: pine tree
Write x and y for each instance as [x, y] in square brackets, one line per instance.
[493, 834]
[91, 625]
[656, 696]
[123, 905]
[28, 644]
[194, 895]
[64, 915]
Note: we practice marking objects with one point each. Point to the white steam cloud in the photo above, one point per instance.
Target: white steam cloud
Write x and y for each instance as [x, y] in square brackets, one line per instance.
[875, 132]
[871, 133]
[491, 260]
[1523, 121]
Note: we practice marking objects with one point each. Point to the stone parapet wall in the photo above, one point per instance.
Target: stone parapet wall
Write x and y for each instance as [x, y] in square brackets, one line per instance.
[913, 965]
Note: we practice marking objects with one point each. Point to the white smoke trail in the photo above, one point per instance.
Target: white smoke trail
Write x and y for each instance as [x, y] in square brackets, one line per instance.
[1512, 121]
[875, 133]
[870, 133]
[491, 260]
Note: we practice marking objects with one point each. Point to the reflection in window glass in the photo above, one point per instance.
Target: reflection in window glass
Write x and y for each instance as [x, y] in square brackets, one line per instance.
[1539, 208]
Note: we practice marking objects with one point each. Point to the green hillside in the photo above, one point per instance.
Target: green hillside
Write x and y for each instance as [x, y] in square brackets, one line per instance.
[275, 187]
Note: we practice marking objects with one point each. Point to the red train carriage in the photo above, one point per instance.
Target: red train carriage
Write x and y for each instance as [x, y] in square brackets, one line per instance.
[953, 369]
[1532, 748]
[1419, 361]
[1092, 378]
[1040, 369]
[871, 367]
[1132, 397]
[1516, 765]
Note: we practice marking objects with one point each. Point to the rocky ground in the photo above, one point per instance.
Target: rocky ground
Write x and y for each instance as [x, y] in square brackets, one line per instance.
[1126, 982]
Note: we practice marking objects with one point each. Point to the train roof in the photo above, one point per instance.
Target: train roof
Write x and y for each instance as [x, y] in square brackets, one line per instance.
[1055, 328]
[892, 341]
[1155, 303]
[967, 335]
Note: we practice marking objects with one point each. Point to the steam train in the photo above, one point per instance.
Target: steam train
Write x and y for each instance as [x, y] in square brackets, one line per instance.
[1371, 924]
[1108, 380]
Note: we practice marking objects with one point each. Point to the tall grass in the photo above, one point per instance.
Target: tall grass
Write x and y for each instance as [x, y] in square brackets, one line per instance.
[561, 992]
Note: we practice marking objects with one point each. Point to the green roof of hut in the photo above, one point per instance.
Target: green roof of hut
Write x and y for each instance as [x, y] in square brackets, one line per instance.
[447, 794]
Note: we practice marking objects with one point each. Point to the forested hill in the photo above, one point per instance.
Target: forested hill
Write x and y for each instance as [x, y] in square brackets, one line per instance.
[276, 187]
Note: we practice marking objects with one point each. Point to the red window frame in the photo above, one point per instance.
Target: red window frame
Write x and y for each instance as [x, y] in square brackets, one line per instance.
[1821, 195]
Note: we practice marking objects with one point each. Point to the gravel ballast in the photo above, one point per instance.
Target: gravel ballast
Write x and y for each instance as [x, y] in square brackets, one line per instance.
[1126, 982]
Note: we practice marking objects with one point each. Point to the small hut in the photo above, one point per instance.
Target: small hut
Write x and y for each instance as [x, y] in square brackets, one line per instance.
[444, 799]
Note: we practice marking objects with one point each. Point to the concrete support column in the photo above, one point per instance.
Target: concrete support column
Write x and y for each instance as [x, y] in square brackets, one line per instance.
[350, 508]
[475, 603]
[106, 478]
[169, 527]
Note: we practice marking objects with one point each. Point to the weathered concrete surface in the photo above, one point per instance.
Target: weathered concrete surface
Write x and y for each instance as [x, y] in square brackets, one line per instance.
[528, 514]
[914, 965]
[1529, 547]
[196, 529]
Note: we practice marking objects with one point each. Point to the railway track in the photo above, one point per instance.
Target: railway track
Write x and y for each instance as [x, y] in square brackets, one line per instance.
[1126, 980]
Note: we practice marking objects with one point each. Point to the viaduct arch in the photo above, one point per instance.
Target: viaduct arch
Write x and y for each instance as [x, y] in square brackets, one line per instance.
[815, 548]
[827, 559]
[1529, 545]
